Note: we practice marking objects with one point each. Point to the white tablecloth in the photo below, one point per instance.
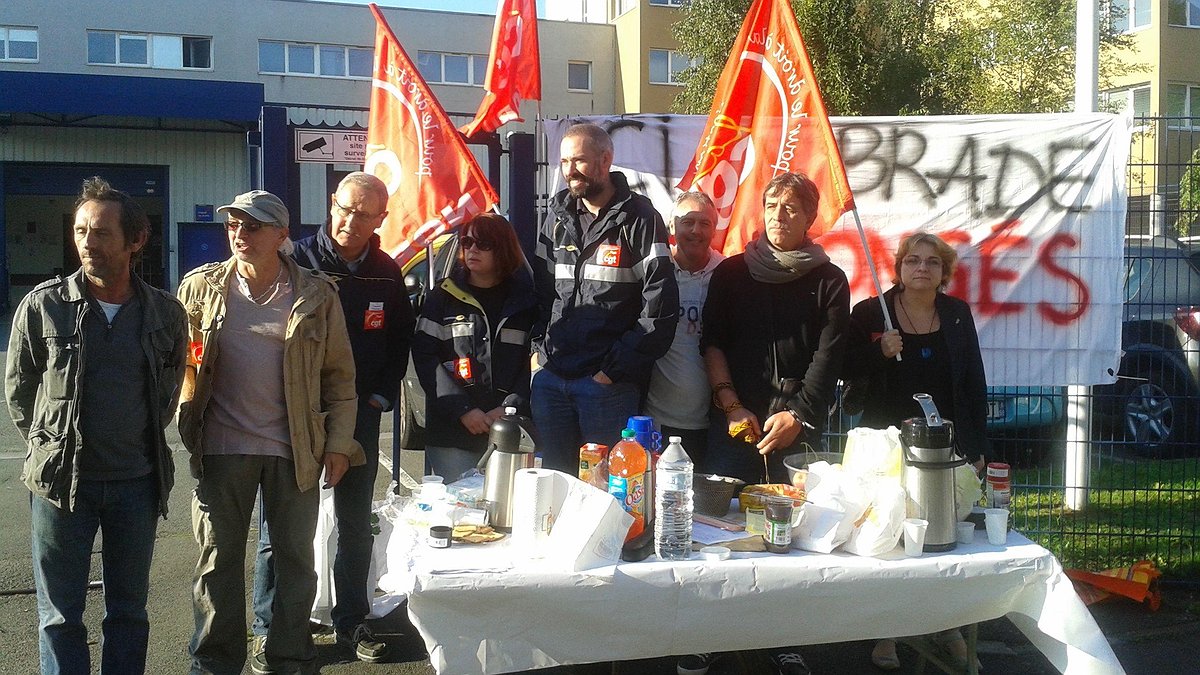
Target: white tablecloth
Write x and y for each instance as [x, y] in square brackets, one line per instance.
[521, 618]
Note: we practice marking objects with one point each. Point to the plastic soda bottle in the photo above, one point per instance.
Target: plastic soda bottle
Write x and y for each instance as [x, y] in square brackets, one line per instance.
[627, 465]
[673, 503]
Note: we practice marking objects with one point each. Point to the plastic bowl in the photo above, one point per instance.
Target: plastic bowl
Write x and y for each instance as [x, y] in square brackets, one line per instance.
[800, 461]
[711, 493]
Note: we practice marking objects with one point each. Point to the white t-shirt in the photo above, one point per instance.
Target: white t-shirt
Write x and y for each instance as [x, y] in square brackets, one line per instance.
[679, 395]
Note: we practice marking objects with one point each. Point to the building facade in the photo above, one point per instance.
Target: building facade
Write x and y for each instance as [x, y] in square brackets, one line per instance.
[186, 104]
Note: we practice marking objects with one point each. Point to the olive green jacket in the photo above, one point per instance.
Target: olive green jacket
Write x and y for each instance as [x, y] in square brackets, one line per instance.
[318, 367]
[44, 372]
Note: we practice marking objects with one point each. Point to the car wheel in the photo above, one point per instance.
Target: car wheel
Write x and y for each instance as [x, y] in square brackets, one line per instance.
[411, 435]
[1157, 413]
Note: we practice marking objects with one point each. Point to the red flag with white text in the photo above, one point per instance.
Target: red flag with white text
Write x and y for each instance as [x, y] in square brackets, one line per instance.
[514, 68]
[432, 178]
[767, 118]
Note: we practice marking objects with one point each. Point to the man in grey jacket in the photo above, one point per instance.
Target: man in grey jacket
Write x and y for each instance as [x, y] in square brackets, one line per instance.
[95, 362]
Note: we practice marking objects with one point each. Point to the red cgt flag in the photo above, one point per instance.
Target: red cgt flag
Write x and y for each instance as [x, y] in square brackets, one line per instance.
[514, 70]
[434, 181]
[767, 118]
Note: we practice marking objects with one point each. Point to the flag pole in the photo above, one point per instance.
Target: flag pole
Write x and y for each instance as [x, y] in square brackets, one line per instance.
[862, 236]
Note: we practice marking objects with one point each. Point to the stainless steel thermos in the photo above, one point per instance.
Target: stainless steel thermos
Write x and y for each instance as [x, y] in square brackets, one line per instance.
[929, 463]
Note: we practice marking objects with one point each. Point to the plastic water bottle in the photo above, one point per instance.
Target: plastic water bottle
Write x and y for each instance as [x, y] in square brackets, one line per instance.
[673, 499]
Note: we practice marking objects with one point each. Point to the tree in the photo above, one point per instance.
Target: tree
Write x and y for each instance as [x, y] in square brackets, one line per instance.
[887, 57]
[1189, 196]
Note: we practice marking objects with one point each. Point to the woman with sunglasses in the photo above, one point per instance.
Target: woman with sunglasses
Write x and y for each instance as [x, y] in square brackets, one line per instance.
[472, 344]
[939, 350]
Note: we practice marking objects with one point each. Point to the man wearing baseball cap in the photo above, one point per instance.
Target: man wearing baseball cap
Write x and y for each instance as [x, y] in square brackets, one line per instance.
[268, 403]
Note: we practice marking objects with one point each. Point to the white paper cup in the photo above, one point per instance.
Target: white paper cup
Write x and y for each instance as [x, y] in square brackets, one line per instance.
[966, 532]
[914, 536]
[996, 521]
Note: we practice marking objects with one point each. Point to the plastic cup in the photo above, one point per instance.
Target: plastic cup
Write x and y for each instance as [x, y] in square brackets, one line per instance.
[996, 521]
[966, 532]
[914, 536]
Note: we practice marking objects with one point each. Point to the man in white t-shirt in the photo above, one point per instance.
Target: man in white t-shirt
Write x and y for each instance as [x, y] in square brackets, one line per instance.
[678, 398]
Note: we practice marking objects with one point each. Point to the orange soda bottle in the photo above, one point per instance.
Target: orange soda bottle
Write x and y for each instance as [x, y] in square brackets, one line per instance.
[627, 465]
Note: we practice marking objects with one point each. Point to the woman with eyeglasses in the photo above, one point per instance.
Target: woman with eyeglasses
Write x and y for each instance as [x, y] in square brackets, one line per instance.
[472, 344]
[939, 355]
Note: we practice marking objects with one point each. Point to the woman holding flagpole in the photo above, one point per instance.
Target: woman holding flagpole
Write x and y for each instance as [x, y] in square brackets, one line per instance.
[939, 355]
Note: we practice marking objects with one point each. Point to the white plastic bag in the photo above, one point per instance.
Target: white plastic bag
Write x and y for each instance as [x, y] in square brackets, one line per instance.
[874, 454]
[967, 490]
[324, 551]
[833, 507]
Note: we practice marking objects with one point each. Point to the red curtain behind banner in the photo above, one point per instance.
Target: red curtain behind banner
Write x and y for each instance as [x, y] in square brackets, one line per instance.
[434, 181]
[514, 68]
[767, 118]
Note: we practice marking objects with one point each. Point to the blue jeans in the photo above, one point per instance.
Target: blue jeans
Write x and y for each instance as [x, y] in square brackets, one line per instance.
[568, 413]
[126, 514]
[352, 498]
[451, 463]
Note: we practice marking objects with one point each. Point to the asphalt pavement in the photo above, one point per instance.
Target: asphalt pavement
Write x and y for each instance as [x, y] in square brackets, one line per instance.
[1146, 642]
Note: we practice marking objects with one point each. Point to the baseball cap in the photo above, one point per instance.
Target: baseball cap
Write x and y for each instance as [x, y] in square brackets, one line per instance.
[261, 206]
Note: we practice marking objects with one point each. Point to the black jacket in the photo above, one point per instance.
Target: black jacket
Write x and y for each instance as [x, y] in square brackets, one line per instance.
[866, 370]
[379, 316]
[461, 366]
[792, 330]
[609, 302]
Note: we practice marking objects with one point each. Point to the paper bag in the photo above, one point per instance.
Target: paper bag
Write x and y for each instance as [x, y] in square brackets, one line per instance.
[882, 523]
[589, 531]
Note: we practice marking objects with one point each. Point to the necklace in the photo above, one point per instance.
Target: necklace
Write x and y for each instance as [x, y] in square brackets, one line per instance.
[932, 318]
[258, 299]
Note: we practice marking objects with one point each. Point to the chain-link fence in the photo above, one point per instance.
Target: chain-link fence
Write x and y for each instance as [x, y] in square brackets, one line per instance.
[1141, 458]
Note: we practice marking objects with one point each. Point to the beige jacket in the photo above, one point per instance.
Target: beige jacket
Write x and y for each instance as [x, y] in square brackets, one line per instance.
[318, 372]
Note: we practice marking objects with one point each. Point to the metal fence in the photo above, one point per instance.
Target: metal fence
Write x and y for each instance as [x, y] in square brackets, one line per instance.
[1142, 490]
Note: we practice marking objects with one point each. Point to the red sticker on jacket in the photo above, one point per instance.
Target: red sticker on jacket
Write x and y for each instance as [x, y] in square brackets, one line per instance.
[373, 317]
[195, 353]
[609, 255]
[463, 366]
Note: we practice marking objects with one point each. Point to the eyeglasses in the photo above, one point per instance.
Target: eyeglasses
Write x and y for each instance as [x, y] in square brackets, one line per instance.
[346, 212]
[480, 244]
[233, 224]
[930, 263]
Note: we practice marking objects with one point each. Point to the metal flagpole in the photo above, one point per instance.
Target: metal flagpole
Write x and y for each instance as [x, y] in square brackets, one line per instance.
[862, 236]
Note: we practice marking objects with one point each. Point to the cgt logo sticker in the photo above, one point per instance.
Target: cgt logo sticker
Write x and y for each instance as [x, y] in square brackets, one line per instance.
[373, 317]
[609, 255]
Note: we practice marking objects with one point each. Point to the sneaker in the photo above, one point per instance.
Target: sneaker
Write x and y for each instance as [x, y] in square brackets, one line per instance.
[695, 664]
[790, 663]
[258, 657]
[366, 646]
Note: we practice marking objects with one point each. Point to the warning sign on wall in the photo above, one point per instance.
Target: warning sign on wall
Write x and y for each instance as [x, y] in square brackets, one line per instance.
[329, 147]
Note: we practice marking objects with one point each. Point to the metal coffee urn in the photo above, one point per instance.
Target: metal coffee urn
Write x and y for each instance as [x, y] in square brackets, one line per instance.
[509, 449]
[929, 462]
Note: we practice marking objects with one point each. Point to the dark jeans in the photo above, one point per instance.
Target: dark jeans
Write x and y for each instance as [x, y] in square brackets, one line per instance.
[352, 498]
[568, 413]
[126, 514]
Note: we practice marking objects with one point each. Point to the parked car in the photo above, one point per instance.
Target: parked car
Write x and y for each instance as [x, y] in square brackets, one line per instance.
[419, 277]
[1153, 406]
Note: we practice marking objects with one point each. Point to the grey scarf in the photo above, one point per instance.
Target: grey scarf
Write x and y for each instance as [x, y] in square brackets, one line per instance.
[773, 266]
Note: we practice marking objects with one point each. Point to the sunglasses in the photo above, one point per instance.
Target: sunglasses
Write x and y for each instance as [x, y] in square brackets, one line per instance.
[246, 225]
[480, 244]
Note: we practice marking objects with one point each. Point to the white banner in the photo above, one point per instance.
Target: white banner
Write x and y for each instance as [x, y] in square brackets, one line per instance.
[1034, 204]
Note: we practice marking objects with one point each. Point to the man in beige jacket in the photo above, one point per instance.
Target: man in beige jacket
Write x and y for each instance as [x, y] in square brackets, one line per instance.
[268, 403]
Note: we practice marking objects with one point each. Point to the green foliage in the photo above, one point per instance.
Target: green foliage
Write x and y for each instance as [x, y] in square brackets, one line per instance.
[1142, 510]
[1189, 195]
[881, 57]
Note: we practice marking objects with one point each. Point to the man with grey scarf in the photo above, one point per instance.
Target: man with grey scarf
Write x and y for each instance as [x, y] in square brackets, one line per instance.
[773, 337]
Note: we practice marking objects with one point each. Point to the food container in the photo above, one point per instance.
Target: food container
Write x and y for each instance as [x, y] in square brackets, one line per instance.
[711, 493]
[753, 496]
[800, 461]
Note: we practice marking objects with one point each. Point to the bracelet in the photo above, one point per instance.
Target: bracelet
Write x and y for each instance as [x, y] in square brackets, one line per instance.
[731, 407]
[716, 400]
